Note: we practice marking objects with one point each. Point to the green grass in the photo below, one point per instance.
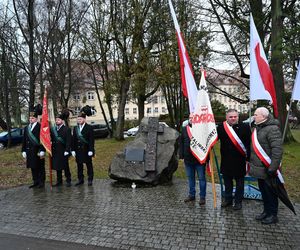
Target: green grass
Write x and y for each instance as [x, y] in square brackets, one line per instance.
[13, 171]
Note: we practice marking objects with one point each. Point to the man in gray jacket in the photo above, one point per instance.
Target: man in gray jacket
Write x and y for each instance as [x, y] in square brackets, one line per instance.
[266, 155]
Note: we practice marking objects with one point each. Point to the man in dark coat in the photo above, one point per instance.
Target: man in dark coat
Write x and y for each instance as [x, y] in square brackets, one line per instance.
[235, 151]
[268, 135]
[33, 151]
[83, 148]
[61, 148]
[192, 166]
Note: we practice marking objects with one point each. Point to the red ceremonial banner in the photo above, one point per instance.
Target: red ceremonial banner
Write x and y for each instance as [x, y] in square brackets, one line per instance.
[45, 129]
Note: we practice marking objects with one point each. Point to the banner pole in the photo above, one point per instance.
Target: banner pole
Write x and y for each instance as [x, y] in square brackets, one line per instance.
[213, 178]
[286, 121]
[50, 171]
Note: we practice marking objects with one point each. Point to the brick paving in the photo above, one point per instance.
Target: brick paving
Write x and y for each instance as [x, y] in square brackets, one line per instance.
[142, 218]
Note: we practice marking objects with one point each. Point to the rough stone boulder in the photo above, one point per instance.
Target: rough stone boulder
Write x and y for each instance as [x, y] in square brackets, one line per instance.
[150, 159]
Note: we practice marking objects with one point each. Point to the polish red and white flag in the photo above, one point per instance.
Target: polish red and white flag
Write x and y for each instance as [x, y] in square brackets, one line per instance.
[189, 87]
[261, 77]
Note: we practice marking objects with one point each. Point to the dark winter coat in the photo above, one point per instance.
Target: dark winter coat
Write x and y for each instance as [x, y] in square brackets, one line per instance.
[184, 148]
[269, 137]
[233, 163]
[60, 144]
[83, 147]
[32, 149]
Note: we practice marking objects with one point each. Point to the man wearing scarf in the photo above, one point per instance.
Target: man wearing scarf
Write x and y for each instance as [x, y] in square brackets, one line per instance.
[61, 146]
[33, 151]
[235, 151]
[266, 155]
[83, 148]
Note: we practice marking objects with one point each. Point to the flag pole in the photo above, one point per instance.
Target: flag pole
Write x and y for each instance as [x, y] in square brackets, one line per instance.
[211, 157]
[286, 121]
[45, 136]
[50, 170]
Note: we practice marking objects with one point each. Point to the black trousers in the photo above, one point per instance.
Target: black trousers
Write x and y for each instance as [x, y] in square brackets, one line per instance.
[239, 188]
[39, 174]
[67, 174]
[90, 171]
[269, 198]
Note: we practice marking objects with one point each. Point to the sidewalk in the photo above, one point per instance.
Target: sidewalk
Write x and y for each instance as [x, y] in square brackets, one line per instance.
[144, 218]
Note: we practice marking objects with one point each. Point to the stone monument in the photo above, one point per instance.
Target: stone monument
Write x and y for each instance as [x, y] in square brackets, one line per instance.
[151, 158]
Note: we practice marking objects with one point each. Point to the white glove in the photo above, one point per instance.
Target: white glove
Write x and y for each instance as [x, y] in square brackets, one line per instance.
[42, 153]
[73, 153]
[24, 155]
[66, 153]
[90, 153]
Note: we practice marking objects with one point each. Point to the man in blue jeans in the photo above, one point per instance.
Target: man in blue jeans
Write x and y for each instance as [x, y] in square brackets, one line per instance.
[192, 166]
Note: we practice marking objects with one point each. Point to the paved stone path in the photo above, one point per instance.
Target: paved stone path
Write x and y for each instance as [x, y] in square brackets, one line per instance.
[145, 218]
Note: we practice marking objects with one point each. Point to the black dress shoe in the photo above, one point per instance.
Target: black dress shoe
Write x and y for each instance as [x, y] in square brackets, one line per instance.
[226, 203]
[261, 216]
[41, 185]
[57, 184]
[189, 199]
[271, 219]
[202, 201]
[79, 183]
[237, 206]
[90, 183]
[68, 184]
[33, 185]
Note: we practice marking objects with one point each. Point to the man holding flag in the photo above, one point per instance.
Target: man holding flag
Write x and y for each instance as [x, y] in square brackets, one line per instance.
[192, 165]
[203, 132]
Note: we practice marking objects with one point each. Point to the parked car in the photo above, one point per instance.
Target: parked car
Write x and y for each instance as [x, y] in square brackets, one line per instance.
[16, 137]
[100, 130]
[135, 130]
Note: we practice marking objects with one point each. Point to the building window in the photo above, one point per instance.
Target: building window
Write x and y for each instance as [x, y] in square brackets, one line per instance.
[134, 110]
[126, 111]
[162, 99]
[155, 99]
[90, 96]
[77, 110]
[76, 96]
[148, 110]
[156, 110]
[163, 109]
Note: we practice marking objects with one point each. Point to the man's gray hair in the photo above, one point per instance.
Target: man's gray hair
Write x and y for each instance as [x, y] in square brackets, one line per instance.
[231, 111]
[263, 111]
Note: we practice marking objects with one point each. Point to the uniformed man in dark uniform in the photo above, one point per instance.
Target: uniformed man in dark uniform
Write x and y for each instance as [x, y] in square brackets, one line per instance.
[61, 146]
[83, 148]
[33, 151]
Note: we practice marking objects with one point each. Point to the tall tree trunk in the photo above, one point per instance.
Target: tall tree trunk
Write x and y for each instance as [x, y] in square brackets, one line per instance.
[141, 106]
[121, 116]
[31, 53]
[276, 62]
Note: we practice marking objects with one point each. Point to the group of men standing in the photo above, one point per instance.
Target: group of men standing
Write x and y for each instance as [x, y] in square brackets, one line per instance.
[256, 153]
[80, 145]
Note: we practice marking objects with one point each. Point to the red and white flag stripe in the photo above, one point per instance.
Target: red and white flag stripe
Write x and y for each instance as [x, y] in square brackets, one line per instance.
[262, 155]
[189, 87]
[261, 77]
[235, 139]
